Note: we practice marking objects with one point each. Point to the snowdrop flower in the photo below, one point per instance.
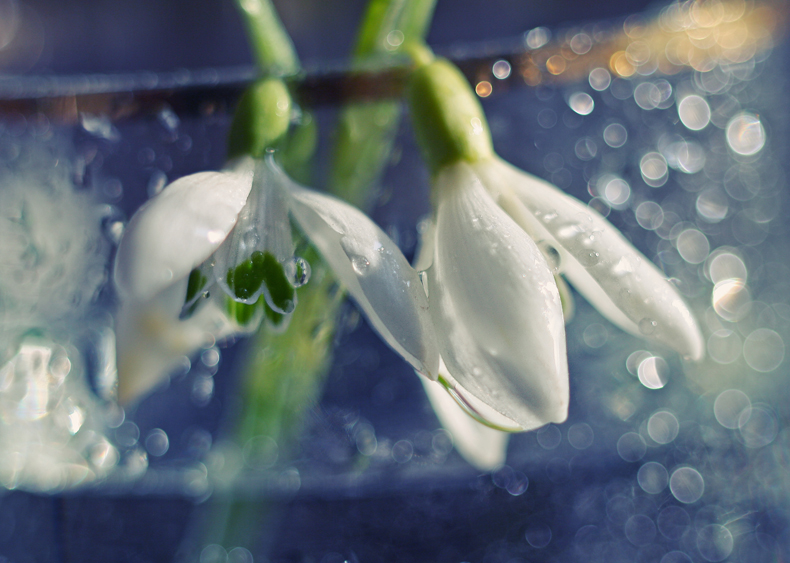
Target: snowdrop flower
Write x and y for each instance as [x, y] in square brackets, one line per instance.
[195, 261]
[483, 447]
[497, 239]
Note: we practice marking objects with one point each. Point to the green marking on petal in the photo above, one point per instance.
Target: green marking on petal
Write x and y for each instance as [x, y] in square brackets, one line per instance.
[196, 282]
[263, 268]
[275, 318]
[242, 313]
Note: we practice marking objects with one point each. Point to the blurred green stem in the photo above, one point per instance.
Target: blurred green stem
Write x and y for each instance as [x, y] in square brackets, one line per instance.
[272, 46]
[366, 130]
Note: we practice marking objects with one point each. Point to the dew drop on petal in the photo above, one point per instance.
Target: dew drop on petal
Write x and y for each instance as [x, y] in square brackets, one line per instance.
[251, 238]
[359, 264]
[589, 258]
[647, 326]
[298, 271]
[552, 256]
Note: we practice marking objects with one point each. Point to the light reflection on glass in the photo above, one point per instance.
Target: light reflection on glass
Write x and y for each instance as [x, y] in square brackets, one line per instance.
[581, 43]
[652, 477]
[694, 112]
[484, 88]
[724, 346]
[687, 485]
[731, 299]
[764, 350]
[615, 135]
[501, 69]
[663, 427]
[538, 37]
[653, 372]
[712, 205]
[582, 103]
[653, 167]
[649, 215]
[631, 447]
[599, 79]
[745, 134]
[693, 246]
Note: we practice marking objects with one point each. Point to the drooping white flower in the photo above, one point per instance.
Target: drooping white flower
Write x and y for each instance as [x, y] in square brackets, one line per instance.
[499, 239]
[617, 279]
[215, 240]
[482, 446]
[495, 307]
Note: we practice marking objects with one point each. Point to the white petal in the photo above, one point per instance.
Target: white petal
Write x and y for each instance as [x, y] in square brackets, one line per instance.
[262, 225]
[483, 447]
[151, 340]
[617, 279]
[495, 306]
[178, 229]
[376, 273]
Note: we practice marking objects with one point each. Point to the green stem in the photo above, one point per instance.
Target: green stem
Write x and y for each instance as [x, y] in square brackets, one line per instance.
[366, 131]
[273, 49]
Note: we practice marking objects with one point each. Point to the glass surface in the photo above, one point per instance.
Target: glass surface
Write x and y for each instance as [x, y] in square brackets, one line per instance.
[661, 459]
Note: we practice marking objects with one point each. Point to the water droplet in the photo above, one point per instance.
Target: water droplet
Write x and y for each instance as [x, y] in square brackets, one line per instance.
[552, 256]
[298, 271]
[250, 239]
[647, 326]
[589, 258]
[360, 264]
